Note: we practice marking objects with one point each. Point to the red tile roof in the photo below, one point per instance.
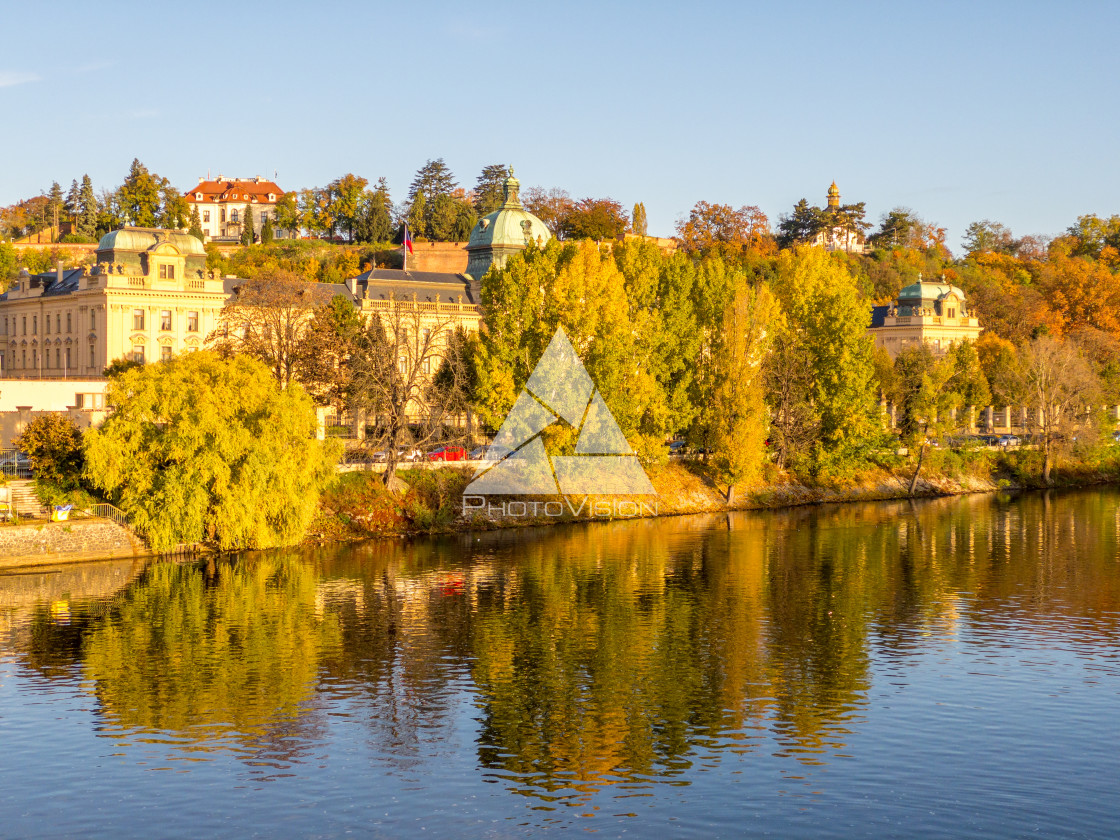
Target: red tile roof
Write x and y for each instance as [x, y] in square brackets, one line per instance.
[234, 190]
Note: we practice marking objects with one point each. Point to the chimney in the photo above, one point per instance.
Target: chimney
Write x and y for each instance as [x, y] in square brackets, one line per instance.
[58, 271]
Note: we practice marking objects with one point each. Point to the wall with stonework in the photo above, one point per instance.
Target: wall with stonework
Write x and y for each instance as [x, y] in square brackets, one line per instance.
[63, 542]
[450, 257]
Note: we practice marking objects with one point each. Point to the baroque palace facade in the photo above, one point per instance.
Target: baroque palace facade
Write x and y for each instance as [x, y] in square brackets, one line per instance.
[148, 297]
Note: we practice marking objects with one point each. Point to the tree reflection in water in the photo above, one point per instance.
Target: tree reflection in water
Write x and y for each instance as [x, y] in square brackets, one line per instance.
[608, 654]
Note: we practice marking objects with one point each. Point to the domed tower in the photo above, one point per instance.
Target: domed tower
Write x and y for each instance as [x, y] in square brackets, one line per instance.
[503, 233]
[834, 197]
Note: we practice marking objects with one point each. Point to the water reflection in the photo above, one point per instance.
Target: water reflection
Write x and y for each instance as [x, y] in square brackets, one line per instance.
[588, 656]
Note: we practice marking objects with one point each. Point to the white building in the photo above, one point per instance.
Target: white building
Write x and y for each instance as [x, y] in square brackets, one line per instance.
[221, 205]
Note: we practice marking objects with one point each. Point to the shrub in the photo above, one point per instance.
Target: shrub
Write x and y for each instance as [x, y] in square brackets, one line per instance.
[54, 445]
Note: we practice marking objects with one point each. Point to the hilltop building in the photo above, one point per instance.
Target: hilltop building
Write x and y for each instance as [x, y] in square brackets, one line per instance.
[936, 313]
[837, 237]
[221, 205]
[148, 297]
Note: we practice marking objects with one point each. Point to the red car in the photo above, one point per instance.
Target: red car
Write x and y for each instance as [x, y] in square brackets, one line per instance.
[448, 453]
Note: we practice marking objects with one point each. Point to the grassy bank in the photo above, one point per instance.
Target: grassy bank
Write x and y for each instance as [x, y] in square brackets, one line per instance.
[358, 506]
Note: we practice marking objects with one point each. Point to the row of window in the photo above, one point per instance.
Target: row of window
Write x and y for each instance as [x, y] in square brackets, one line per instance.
[233, 216]
[63, 360]
[138, 354]
[47, 321]
[139, 319]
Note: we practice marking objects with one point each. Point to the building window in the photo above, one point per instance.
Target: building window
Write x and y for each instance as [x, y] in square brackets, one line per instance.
[68, 362]
[205, 215]
[34, 324]
[166, 272]
[92, 320]
[69, 324]
[138, 353]
[192, 322]
[165, 320]
[92, 355]
[57, 357]
[138, 319]
[25, 325]
[165, 353]
[233, 216]
[47, 324]
[223, 214]
[58, 322]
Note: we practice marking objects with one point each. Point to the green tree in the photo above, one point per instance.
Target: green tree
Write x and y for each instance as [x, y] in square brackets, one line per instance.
[898, 229]
[740, 415]
[989, 237]
[639, 224]
[196, 225]
[823, 304]
[138, 198]
[432, 180]
[345, 196]
[54, 444]
[72, 203]
[489, 189]
[203, 448]
[799, 226]
[56, 204]
[288, 212]
[87, 209]
[375, 223]
[267, 234]
[175, 209]
[248, 234]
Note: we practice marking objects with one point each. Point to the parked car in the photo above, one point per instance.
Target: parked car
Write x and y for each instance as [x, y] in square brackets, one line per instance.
[677, 447]
[1007, 440]
[448, 453]
[15, 464]
[489, 453]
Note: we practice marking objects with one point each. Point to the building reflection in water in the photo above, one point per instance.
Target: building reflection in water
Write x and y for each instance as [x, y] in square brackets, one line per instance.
[609, 654]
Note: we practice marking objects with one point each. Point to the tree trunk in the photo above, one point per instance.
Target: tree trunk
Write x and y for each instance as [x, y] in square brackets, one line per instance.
[917, 469]
[1046, 461]
[730, 494]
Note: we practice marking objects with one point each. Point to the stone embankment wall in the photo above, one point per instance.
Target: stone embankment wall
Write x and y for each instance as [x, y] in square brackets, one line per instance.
[65, 542]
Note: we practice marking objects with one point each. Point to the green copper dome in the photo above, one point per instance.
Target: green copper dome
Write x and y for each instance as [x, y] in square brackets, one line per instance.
[507, 230]
[142, 239]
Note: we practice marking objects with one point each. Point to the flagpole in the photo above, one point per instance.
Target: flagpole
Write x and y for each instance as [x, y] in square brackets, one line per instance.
[404, 246]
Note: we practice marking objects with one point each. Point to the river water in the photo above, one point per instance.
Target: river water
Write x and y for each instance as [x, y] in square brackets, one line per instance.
[945, 668]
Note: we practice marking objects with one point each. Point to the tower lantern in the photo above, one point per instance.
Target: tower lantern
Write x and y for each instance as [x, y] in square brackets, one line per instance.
[834, 197]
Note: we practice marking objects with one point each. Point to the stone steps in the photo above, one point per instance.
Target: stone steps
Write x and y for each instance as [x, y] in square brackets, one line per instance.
[24, 500]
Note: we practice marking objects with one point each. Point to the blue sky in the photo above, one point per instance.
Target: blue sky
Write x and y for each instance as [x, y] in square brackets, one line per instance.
[960, 111]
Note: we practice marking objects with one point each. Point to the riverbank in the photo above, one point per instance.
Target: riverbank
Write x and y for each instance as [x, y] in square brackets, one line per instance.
[359, 507]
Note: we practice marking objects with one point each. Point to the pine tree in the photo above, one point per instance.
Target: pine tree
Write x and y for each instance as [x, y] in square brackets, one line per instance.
[267, 234]
[138, 198]
[489, 189]
[73, 202]
[87, 209]
[248, 234]
[196, 225]
[54, 207]
[432, 180]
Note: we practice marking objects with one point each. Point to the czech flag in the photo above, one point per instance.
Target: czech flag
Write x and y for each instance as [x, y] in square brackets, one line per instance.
[407, 239]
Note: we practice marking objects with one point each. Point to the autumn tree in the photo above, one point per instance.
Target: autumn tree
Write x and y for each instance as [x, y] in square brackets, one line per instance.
[720, 230]
[550, 206]
[740, 416]
[594, 218]
[1060, 382]
[489, 189]
[202, 448]
[395, 356]
[54, 444]
[267, 320]
[324, 358]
